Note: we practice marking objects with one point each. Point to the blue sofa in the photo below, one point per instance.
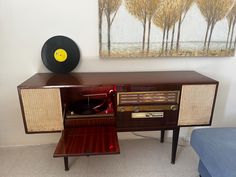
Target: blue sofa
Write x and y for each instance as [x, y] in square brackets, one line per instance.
[216, 148]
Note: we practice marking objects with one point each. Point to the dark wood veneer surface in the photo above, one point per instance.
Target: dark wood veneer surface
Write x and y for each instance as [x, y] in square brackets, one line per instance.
[50, 80]
[96, 140]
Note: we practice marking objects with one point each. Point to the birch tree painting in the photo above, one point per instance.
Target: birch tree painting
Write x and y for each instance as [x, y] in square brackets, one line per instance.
[154, 28]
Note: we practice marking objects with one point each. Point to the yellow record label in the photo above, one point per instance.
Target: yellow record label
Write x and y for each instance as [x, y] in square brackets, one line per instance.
[60, 55]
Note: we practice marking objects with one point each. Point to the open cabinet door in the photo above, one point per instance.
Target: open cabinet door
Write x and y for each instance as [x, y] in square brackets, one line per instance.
[96, 140]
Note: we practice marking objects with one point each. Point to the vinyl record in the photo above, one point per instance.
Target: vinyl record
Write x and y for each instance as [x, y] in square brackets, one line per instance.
[60, 54]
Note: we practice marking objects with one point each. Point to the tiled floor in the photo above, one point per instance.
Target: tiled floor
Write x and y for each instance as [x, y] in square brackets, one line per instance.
[138, 158]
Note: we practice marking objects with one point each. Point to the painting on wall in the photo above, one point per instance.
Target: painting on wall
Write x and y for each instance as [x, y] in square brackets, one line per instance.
[154, 28]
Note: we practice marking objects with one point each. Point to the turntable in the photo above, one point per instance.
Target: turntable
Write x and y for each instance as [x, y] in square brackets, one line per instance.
[91, 105]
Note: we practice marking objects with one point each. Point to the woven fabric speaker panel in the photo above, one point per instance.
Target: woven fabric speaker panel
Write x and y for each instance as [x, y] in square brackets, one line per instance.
[196, 104]
[42, 109]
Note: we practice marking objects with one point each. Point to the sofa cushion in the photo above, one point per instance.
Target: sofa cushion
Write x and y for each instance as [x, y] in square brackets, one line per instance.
[203, 170]
[216, 148]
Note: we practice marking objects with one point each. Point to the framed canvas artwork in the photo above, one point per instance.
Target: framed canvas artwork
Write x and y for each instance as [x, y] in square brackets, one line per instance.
[154, 28]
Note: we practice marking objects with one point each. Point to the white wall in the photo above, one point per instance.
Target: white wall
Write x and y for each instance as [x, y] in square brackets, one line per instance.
[26, 24]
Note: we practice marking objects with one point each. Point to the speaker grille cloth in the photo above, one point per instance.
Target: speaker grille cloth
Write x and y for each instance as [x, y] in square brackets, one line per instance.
[42, 109]
[196, 104]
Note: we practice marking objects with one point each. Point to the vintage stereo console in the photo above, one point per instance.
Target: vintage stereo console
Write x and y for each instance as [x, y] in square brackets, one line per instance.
[90, 108]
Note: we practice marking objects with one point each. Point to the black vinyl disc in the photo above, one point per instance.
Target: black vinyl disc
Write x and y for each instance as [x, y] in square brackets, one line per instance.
[60, 54]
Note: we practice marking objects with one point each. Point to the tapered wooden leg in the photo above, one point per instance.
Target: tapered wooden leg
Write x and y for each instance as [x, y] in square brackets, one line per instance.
[162, 136]
[174, 144]
[66, 163]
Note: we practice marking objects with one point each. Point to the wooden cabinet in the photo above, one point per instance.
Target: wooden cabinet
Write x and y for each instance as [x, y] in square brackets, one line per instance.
[138, 101]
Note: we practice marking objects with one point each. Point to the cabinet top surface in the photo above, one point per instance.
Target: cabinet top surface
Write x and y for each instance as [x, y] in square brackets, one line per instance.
[49, 80]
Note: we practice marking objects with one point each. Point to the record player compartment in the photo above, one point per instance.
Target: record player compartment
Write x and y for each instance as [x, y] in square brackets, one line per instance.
[88, 107]
[89, 122]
